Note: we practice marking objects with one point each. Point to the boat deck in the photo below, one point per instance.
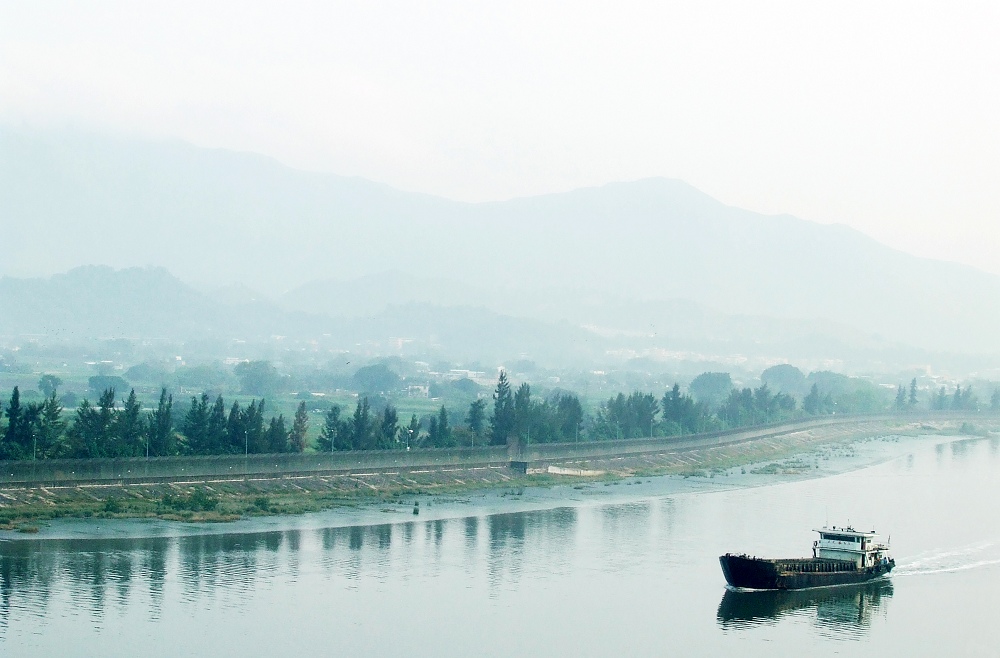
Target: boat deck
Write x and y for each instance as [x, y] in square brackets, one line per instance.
[812, 565]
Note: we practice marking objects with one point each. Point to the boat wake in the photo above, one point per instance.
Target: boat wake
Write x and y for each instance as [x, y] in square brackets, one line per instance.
[975, 556]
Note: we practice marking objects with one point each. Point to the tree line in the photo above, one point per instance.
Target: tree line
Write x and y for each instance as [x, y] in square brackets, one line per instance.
[644, 415]
[121, 428]
[515, 414]
[39, 430]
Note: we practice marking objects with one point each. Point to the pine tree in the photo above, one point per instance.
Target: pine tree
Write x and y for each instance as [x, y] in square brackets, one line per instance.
[195, 427]
[335, 434]
[361, 426]
[82, 434]
[388, 429]
[30, 420]
[11, 447]
[570, 414]
[443, 438]
[107, 413]
[522, 412]
[913, 393]
[50, 429]
[940, 401]
[91, 434]
[215, 436]
[300, 425]
[277, 436]
[502, 420]
[236, 436]
[432, 431]
[900, 403]
[476, 418]
[159, 427]
[682, 415]
[129, 429]
[412, 431]
[253, 425]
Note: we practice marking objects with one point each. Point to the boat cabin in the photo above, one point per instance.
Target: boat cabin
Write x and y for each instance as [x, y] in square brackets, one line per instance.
[847, 543]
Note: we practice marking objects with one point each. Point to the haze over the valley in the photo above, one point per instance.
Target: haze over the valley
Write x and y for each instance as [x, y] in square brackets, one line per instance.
[589, 178]
[880, 116]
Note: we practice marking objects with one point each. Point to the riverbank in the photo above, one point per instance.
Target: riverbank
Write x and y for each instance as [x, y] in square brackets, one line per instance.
[334, 500]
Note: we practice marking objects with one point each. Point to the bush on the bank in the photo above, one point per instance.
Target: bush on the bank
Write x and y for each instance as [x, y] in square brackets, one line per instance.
[198, 501]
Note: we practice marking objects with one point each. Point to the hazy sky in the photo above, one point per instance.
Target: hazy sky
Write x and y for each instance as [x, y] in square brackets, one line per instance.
[883, 117]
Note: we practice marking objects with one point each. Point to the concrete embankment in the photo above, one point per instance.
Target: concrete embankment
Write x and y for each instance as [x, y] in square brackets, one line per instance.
[74, 472]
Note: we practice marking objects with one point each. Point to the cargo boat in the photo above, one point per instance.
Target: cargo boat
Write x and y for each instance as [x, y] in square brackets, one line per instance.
[841, 556]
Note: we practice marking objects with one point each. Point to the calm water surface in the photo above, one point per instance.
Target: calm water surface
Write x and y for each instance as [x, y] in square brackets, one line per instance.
[633, 578]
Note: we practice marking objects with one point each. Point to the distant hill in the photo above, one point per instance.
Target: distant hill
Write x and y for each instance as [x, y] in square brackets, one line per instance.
[143, 304]
[149, 303]
[216, 218]
[100, 302]
[674, 324]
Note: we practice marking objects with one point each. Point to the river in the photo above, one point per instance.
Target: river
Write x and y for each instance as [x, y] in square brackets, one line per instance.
[636, 575]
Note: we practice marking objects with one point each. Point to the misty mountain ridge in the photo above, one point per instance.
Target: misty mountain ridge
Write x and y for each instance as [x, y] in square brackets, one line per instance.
[216, 217]
[99, 302]
[144, 304]
[678, 322]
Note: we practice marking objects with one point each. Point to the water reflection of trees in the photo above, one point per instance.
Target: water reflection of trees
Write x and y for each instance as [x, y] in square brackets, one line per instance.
[95, 574]
[846, 611]
[90, 570]
[229, 563]
[513, 536]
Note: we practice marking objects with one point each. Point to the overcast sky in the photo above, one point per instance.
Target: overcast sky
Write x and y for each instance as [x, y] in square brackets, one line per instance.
[883, 117]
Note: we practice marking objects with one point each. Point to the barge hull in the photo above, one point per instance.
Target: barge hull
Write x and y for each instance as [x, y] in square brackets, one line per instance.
[758, 573]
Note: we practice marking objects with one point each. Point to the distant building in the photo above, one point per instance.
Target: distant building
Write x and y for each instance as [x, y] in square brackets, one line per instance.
[418, 391]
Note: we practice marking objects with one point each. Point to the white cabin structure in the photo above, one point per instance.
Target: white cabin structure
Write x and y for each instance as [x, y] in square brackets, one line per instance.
[847, 543]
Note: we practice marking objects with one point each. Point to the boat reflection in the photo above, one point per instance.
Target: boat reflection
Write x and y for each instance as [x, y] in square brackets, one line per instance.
[850, 608]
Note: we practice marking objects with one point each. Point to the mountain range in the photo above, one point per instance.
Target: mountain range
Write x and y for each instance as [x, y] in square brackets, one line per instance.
[150, 304]
[645, 259]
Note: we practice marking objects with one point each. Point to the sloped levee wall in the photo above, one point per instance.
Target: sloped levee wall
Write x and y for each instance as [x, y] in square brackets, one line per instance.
[564, 451]
[57, 472]
[67, 472]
